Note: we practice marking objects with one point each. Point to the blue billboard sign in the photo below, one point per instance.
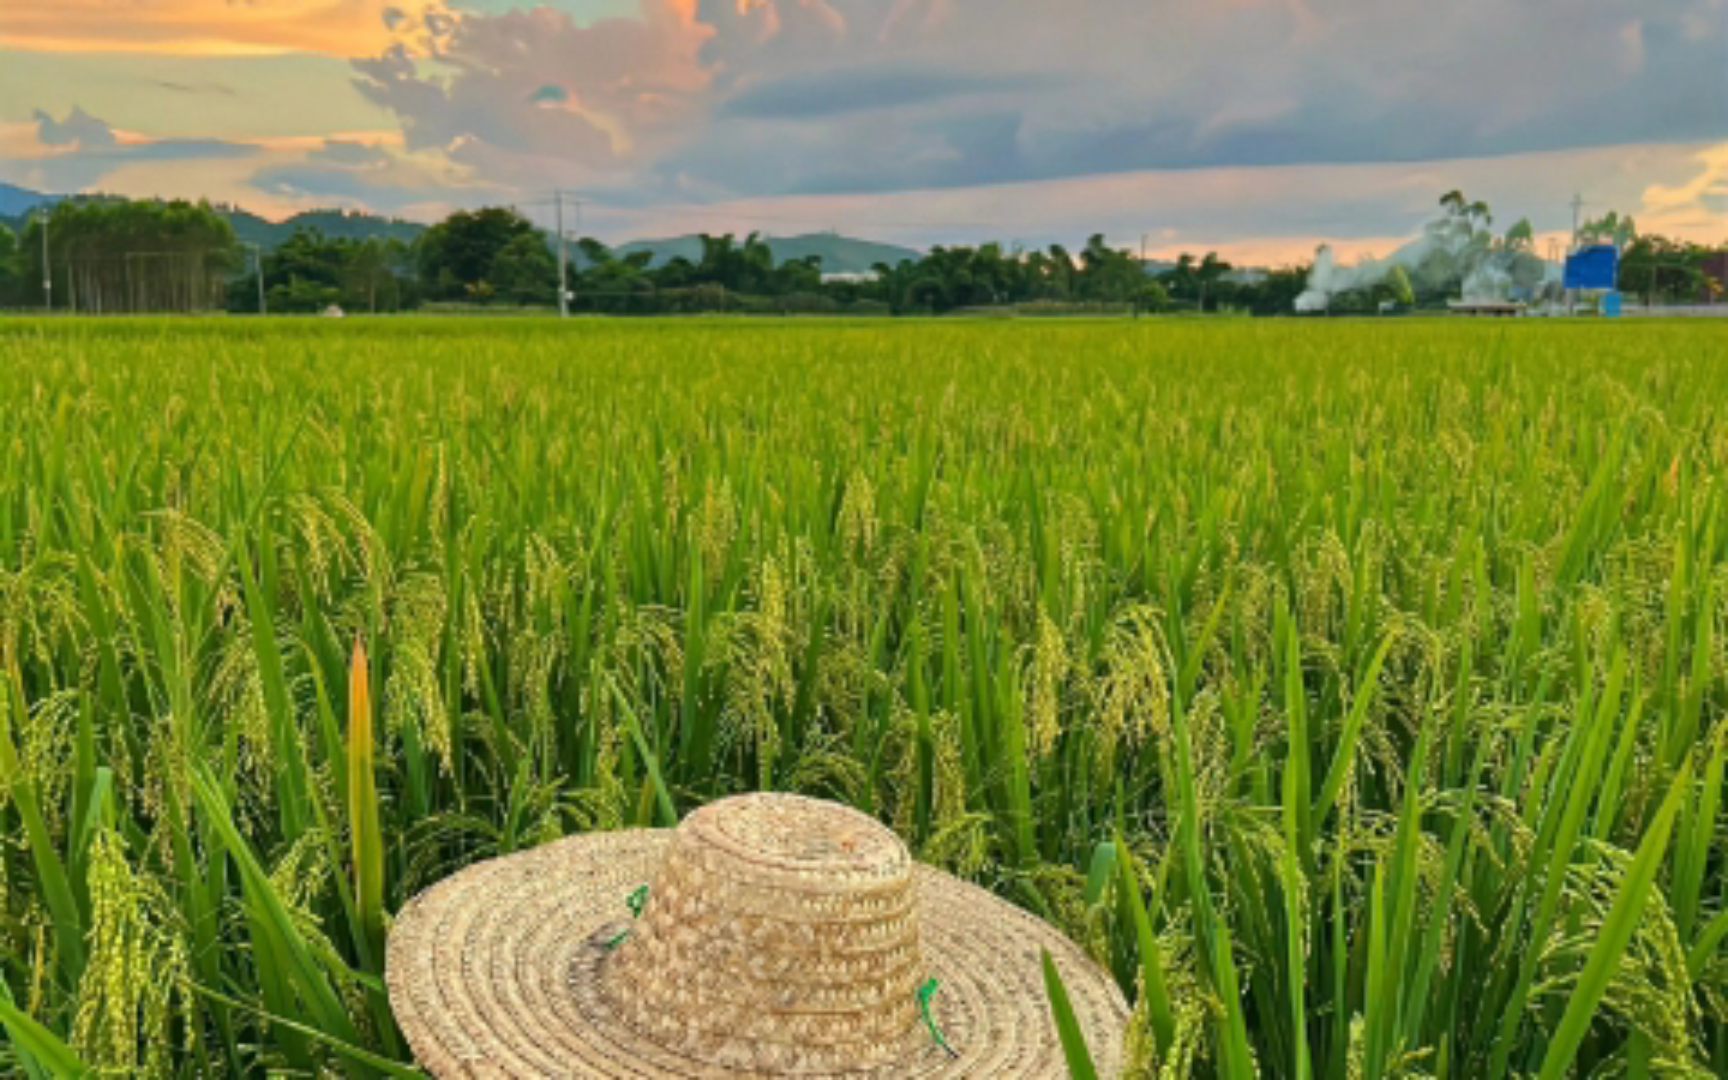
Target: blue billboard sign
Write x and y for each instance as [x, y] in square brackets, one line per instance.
[1595, 267]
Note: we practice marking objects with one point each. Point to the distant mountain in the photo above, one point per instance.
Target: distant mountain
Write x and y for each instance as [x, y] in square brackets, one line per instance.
[15, 202]
[335, 224]
[840, 254]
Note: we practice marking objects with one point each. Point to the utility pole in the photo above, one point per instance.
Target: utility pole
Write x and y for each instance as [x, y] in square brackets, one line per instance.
[563, 259]
[47, 277]
[1141, 284]
[1577, 205]
[258, 262]
[577, 203]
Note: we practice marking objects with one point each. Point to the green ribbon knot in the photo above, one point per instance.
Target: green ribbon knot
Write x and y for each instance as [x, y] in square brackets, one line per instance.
[926, 991]
[636, 901]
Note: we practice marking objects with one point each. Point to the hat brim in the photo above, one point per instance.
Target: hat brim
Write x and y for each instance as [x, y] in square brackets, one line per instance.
[494, 972]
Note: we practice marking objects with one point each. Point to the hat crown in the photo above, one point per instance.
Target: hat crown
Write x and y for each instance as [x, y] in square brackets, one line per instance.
[780, 934]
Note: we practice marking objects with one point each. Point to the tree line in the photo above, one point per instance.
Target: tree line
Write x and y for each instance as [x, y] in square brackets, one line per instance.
[1657, 267]
[109, 255]
[494, 255]
[116, 255]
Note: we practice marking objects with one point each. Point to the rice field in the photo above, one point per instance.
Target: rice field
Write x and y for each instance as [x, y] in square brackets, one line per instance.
[1357, 692]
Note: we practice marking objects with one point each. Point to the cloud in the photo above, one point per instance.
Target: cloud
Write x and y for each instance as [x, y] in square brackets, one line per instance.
[836, 103]
[1242, 85]
[1697, 204]
[193, 88]
[1254, 214]
[79, 130]
[237, 98]
[356, 173]
[767, 97]
[327, 186]
[348, 153]
[74, 153]
[211, 27]
[824, 95]
[531, 98]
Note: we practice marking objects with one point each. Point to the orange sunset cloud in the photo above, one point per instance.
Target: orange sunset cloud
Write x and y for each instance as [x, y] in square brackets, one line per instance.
[214, 27]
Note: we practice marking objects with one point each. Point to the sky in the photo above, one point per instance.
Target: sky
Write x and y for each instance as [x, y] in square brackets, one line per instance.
[1258, 128]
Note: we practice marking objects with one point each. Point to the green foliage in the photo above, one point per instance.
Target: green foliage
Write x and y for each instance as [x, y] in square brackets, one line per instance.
[1398, 283]
[1610, 228]
[1354, 693]
[1660, 269]
[1197, 281]
[1074, 1050]
[336, 224]
[297, 296]
[525, 272]
[118, 256]
[459, 257]
[11, 269]
[110, 255]
[40, 1053]
[951, 278]
[1655, 267]
[310, 271]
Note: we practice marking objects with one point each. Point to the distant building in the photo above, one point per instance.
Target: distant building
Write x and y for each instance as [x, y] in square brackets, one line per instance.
[1492, 308]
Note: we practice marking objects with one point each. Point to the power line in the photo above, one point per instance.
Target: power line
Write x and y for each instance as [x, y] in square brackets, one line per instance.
[47, 276]
[825, 222]
[258, 262]
[563, 262]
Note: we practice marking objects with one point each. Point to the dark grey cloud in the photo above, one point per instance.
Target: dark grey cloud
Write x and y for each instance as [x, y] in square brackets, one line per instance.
[828, 94]
[871, 96]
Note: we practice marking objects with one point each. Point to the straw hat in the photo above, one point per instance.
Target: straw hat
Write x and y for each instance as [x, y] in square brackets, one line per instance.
[777, 936]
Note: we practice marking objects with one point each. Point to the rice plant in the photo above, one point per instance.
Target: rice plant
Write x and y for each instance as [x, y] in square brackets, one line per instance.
[1356, 693]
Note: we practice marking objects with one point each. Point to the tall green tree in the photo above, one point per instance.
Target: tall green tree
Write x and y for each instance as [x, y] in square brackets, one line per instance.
[11, 269]
[1108, 274]
[1398, 283]
[458, 257]
[117, 255]
[1610, 228]
[312, 270]
[1661, 269]
[525, 271]
[369, 271]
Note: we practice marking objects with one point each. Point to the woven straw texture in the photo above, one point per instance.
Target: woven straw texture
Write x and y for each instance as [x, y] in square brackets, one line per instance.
[782, 936]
